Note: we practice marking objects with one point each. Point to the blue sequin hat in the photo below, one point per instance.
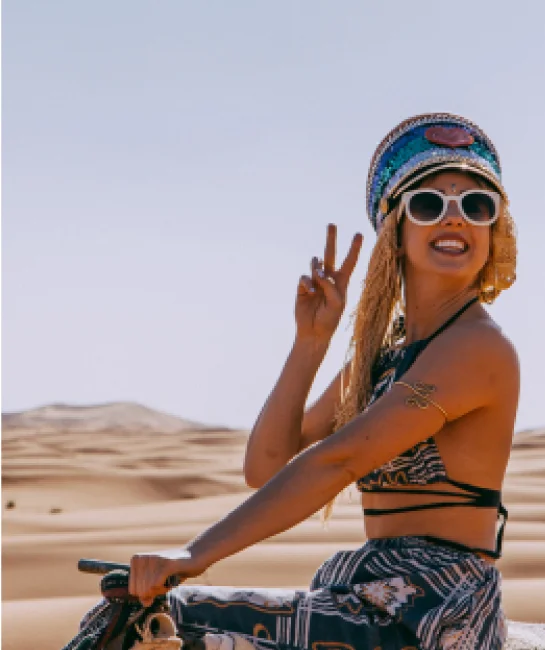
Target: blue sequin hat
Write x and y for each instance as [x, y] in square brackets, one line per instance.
[422, 145]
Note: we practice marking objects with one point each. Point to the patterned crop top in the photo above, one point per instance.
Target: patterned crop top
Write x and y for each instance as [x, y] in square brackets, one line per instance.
[422, 464]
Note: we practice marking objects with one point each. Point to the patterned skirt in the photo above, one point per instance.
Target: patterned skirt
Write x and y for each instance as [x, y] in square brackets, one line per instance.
[403, 593]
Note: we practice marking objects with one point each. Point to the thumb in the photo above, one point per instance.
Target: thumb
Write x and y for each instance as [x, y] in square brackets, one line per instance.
[327, 285]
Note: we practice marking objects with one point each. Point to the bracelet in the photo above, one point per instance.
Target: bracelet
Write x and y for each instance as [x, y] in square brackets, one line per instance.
[421, 397]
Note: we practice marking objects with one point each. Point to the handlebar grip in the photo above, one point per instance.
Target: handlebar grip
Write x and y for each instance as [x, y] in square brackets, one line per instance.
[101, 567]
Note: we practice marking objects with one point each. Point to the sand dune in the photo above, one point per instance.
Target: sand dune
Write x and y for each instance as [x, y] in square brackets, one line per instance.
[112, 480]
[85, 419]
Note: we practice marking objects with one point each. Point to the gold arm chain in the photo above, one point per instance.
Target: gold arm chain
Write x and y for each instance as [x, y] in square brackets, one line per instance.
[421, 398]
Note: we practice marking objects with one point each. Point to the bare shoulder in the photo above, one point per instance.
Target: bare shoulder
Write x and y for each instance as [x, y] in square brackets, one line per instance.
[484, 338]
[494, 359]
[473, 364]
[477, 339]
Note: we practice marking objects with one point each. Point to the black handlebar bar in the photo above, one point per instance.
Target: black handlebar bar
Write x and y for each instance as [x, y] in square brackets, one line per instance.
[101, 567]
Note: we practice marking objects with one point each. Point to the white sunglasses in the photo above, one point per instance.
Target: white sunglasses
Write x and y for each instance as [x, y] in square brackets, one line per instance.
[427, 206]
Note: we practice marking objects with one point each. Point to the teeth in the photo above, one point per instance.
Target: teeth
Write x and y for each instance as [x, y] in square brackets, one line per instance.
[449, 243]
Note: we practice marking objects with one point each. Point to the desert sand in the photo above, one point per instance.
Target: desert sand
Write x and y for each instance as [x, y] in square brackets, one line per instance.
[108, 481]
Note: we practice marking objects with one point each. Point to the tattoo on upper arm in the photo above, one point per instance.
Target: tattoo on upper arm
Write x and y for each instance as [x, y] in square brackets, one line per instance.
[421, 396]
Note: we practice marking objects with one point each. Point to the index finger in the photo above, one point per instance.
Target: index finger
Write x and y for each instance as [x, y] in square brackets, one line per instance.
[350, 261]
[330, 246]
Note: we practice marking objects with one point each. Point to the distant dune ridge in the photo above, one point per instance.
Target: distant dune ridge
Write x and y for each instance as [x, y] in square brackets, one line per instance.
[86, 419]
[110, 480]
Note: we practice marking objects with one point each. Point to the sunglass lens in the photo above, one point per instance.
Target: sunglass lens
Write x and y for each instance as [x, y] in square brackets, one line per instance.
[479, 207]
[425, 206]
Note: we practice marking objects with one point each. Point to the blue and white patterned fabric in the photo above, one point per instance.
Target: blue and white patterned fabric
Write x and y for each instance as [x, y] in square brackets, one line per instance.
[391, 594]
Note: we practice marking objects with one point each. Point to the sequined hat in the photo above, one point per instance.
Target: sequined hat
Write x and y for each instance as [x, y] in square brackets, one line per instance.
[422, 145]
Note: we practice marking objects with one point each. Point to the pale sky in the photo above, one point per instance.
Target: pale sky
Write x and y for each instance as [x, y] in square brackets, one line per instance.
[169, 169]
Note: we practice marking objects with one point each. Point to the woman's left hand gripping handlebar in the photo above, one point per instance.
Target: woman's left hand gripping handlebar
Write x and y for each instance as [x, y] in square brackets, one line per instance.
[154, 574]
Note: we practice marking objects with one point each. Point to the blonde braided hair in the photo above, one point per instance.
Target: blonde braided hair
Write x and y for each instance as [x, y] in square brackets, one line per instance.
[381, 303]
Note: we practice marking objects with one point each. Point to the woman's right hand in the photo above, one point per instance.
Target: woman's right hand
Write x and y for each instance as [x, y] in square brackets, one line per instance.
[321, 297]
[149, 572]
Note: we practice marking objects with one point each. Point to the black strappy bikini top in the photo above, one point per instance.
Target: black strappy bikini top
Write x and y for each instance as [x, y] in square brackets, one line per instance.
[422, 464]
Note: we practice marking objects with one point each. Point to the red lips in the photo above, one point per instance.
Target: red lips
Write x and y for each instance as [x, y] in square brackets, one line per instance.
[449, 137]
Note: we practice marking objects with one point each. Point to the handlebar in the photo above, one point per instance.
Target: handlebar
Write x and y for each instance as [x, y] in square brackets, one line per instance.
[102, 567]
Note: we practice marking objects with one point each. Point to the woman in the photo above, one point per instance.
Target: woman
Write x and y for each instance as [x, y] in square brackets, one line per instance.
[421, 418]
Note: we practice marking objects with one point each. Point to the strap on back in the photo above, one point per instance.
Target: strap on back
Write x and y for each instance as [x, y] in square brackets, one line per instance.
[476, 497]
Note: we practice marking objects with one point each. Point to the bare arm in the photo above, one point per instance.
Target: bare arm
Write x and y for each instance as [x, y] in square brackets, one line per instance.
[282, 428]
[319, 419]
[276, 436]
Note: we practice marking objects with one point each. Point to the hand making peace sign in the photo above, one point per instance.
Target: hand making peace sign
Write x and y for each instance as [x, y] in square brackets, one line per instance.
[321, 298]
